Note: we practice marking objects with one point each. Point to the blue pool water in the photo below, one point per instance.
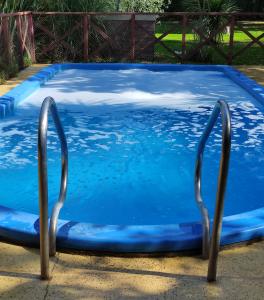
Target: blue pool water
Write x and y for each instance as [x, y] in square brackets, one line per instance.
[132, 138]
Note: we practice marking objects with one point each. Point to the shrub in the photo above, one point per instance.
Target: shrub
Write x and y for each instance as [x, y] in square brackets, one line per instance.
[8, 70]
[210, 24]
[143, 5]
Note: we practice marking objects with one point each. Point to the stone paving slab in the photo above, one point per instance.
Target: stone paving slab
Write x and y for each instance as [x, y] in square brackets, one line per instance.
[254, 72]
[74, 276]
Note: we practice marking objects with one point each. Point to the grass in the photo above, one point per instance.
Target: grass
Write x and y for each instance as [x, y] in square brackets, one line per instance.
[251, 56]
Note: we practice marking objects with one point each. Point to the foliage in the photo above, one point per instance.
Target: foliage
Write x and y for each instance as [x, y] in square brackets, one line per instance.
[210, 24]
[243, 5]
[212, 27]
[7, 71]
[251, 5]
[143, 5]
[51, 5]
[84, 5]
[227, 6]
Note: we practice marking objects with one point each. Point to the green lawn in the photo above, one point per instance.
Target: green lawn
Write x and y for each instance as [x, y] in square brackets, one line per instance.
[251, 56]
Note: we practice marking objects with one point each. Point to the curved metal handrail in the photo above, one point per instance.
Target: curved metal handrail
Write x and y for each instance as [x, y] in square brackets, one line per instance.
[48, 234]
[211, 248]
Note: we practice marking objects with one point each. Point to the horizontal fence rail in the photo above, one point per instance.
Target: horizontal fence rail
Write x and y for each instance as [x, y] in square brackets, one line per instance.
[177, 37]
[149, 13]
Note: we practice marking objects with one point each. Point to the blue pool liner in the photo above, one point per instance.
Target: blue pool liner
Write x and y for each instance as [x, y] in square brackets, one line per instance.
[23, 228]
[20, 227]
[27, 87]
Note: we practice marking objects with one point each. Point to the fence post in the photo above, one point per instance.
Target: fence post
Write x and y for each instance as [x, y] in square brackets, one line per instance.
[86, 29]
[231, 40]
[133, 36]
[184, 29]
[6, 40]
[32, 38]
[20, 42]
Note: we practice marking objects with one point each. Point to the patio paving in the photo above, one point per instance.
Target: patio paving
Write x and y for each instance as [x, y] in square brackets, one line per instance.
[240, 276]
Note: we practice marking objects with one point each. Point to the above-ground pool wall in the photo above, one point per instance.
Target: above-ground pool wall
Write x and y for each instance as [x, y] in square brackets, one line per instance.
[6, 106]
[84, 236]
[26, 88]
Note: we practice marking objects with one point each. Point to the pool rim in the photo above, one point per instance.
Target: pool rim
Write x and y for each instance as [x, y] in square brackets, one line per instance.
[21, 227]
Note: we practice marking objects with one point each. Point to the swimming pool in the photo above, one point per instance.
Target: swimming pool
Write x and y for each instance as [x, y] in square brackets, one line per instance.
[132, 132]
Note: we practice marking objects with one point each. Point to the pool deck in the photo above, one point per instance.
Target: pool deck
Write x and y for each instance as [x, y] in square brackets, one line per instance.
[23, 75]
[241, 276]
[240, 273]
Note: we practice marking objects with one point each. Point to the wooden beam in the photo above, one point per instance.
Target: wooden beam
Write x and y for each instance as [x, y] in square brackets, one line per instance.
[58, 41]
[20, 42]
[166, 14]
[206, 41]
[133, 36]
[107, 40]
[247, 46]
[209, 40]
[158, 40]
[155, 39]
[231, 40]
[86, 21]
[23, 13]
[254, 39]
[6, 40]
[32, 38]
[184, 30]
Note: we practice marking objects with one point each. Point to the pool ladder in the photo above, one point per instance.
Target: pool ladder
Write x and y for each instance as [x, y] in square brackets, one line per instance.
[210, 246]
[48, 230]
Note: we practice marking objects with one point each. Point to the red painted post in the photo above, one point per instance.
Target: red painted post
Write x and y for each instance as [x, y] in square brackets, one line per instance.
[133, 36]
[20, 42]
[32, 37]
[88, 32]
[184, 29]
[86, 28]
[231, 40]
[6, 40]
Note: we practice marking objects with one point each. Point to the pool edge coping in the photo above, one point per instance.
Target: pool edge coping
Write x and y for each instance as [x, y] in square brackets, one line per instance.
[22, 227]
[34, 82]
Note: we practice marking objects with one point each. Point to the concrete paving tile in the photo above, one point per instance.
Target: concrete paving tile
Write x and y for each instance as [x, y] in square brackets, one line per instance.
[240, 276]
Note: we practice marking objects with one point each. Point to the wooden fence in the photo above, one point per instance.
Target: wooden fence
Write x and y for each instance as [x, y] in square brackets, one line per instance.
[16, 38]
[80, 37]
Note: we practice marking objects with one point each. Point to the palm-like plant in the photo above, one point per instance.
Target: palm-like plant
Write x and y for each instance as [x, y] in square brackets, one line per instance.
[211, 24]
[212, 27]
[51, 5]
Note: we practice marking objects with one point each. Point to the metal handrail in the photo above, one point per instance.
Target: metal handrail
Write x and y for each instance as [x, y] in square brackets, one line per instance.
[48, 233]
[211, 247]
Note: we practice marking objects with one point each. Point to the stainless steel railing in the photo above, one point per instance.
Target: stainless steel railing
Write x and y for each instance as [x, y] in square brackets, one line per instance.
[48, 233]
[211, 246]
